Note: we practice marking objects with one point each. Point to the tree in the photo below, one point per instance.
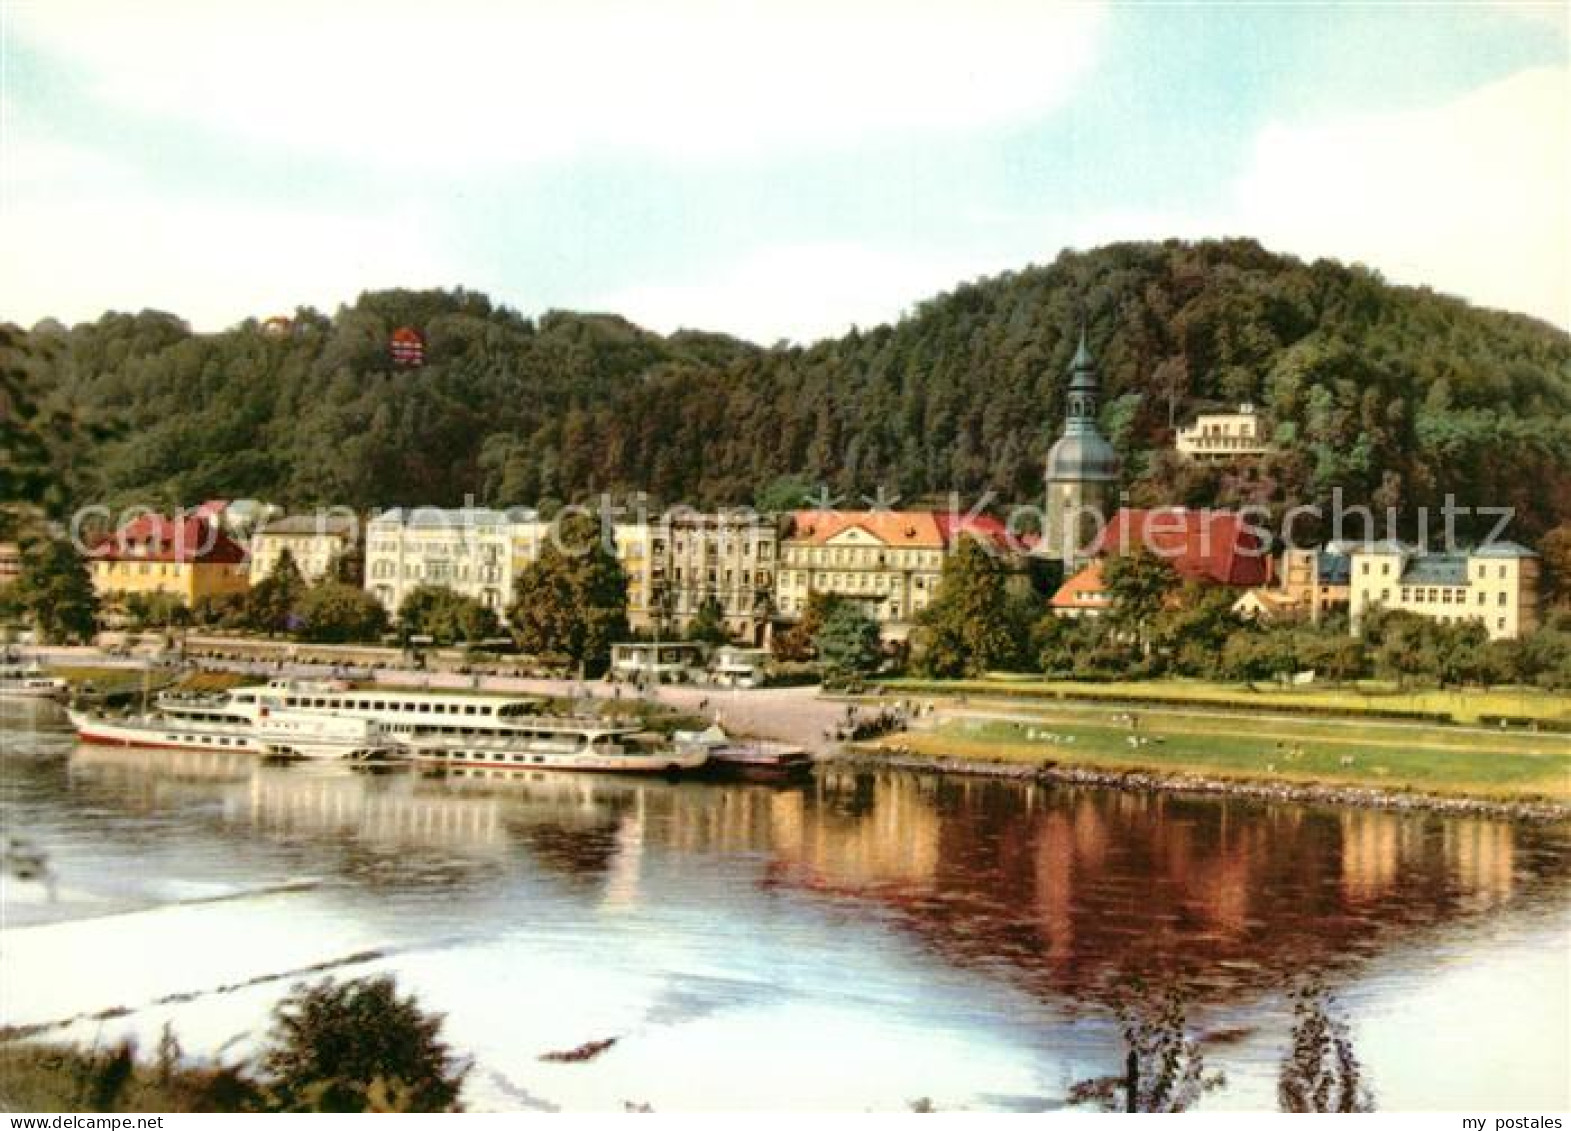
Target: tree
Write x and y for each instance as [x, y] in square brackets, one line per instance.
[351, 1046]
[334, 613]
[1164, 1068]
[272, 604]
[445, 615]
[219, 610]
[708, 624]
[1321, 1071]
[972, 626]
[55, 592]
[572, 600]
[848, 643]
[1140, 585]
[784, 493]
[1193, 628]
[1555, 551]
[796, 644]
[156, 609]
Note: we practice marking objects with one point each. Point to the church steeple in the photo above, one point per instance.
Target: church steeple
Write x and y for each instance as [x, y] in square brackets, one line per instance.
[1083, 389]
[1082, 467]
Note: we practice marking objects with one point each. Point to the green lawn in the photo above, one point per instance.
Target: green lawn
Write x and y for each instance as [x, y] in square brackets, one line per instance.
[1321, 751]
[1467, 706]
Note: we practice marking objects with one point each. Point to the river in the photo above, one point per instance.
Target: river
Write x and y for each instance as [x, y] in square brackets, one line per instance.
[863, 941]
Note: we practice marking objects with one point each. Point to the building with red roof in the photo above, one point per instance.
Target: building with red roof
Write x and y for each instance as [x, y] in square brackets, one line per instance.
[1083, 595]
[888, 562]
[1215, 546]
[188, 556]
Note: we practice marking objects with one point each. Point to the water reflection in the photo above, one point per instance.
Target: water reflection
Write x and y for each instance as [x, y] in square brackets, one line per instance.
[1069, 892]
[884, 935]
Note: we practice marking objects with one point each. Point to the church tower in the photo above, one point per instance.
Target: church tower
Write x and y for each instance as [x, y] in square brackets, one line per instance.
[1082, 469]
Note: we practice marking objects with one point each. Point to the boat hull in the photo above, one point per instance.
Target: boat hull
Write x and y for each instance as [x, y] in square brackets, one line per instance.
[145, 735]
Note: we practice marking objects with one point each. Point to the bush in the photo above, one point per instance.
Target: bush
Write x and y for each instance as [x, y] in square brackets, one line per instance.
[358, 1046]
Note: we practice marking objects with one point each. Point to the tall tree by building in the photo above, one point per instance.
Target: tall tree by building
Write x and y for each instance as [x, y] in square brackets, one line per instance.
[572, 600]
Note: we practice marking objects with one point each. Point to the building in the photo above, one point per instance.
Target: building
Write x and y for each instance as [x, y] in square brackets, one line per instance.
[315, 542]
[731, 666]
[188, 557]
[1313, 583]
[1216, 437]
[1496, 585]
[668, 661]
[475, 551]
[1213, 546]
[1082, 469]
[727, 558]
[888, 562]
[634, 549]
[1083, 595]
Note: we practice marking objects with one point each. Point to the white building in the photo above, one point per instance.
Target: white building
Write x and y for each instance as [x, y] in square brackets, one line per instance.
[473, 550]
[1219, 436]
[1496, 585]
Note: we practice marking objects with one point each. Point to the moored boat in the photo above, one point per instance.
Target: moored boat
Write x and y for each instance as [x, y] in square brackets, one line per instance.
[279, 735]
[29, 681]
[546, 743]
[755, 759]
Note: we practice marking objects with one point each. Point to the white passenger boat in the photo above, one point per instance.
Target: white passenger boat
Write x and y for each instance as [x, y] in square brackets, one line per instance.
[209, 722]
[544, 743]
[439, 728]
[29, 681]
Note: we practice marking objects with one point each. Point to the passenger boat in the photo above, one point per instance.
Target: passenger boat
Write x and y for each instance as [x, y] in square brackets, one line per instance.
[284, 734]
[544, 743]
[29, 681]
[746, 758]
[440, 729]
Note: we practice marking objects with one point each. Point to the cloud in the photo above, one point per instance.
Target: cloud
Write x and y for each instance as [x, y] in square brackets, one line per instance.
[84, 233]
[1472, 197]
[433, 89]
[800, 292]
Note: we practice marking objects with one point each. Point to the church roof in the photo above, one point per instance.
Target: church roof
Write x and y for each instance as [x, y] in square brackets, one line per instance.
[1200, 545]
[1082, 455]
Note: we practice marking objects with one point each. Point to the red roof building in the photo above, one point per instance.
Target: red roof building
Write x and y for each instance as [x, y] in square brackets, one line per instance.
[1215, 546]
[188, 556]
[1083, 595]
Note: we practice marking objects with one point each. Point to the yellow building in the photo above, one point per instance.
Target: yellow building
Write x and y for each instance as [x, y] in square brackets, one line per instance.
[187, 557]
[315, 543]
[1496, 585]
[887, 562]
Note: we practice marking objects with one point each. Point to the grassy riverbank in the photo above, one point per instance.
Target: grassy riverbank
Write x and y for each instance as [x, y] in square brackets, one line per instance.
[42, 1077]
[1368, 698]
[1386, 756]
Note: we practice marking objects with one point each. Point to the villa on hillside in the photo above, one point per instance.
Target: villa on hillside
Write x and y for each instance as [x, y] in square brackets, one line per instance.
[1216, 437]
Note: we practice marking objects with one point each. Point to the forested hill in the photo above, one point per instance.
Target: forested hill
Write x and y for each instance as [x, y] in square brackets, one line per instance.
[1396, 395]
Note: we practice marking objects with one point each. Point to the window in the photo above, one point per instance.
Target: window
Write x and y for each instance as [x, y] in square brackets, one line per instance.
[1364, 568]
[1504, 599]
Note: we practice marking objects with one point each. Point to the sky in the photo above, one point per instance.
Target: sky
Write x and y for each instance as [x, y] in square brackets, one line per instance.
[776, 170]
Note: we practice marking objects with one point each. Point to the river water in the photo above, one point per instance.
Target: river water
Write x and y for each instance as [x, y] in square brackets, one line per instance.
[863, 941]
